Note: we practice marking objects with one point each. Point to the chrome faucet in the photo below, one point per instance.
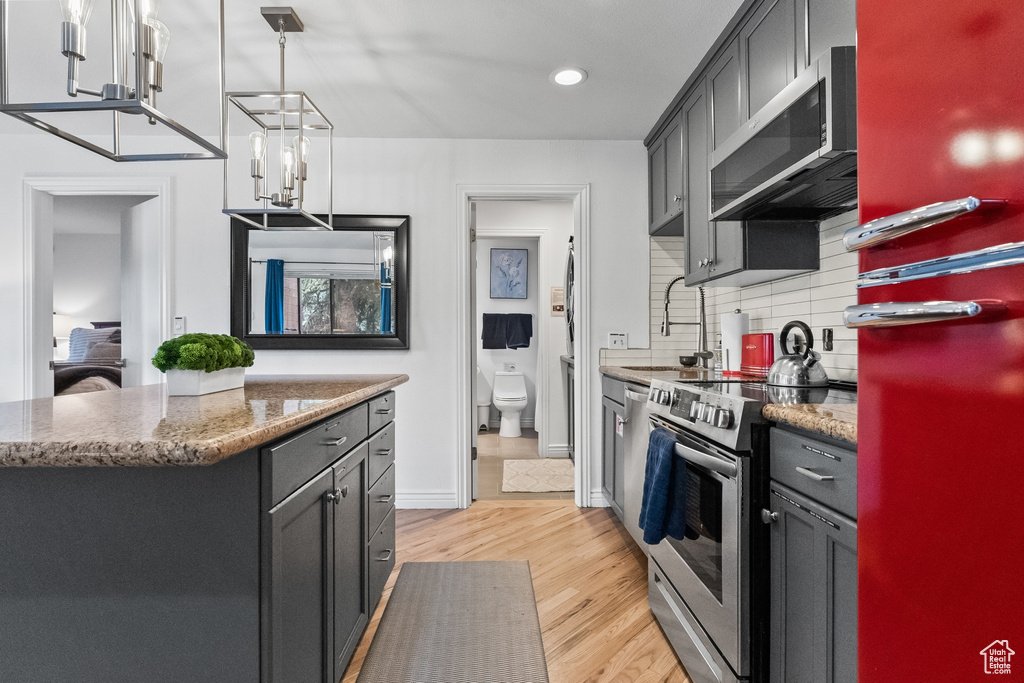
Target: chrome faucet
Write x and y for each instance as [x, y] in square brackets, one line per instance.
[702, 333]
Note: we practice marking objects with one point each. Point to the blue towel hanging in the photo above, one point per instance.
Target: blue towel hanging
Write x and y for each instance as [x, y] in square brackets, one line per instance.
[663, 509]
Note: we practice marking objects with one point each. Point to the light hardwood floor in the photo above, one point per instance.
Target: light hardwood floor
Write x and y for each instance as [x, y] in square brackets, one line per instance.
[589, 578]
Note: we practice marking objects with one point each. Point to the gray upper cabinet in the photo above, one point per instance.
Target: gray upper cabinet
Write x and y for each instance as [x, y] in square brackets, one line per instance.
[768, 47]
[665, 161]
[830, 23]
[728, 94]
[698, 238]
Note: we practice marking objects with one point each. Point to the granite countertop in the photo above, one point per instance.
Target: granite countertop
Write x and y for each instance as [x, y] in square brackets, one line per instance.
[838, 420]
[143, 426]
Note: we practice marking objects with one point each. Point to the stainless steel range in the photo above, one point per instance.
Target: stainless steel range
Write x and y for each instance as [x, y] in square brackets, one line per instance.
[709, 590]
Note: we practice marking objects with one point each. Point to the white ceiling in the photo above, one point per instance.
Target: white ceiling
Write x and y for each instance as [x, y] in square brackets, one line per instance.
[438, 68]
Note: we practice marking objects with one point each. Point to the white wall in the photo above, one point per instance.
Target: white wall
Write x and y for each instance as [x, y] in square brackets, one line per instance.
[817, 298]
[399, 176]
[491, 360]
[87, 277]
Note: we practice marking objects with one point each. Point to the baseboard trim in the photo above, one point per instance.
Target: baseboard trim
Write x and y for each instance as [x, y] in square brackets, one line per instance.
[558, 450]
[597, 499]
[419, 500]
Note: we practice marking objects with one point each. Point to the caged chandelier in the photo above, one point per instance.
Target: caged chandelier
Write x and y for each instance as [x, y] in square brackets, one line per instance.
[285, 123]
[138, 44]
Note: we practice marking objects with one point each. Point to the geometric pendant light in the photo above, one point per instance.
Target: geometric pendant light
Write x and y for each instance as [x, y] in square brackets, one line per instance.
[290, 151]
[116, 107]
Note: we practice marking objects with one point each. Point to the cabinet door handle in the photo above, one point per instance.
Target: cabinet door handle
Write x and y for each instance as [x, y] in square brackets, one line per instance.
[385, 451]
[385, 411]
[335, 495]
[767, 516]
[336, 442]
[386, 557]
[676, 198]
[344, 491]
[386, 499]
[814, 475]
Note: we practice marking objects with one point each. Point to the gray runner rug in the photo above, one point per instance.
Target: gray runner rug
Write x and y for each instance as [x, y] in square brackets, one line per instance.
[459, 622]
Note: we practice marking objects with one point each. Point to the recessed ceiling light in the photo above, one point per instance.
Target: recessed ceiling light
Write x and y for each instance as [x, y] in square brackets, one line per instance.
[568, 76]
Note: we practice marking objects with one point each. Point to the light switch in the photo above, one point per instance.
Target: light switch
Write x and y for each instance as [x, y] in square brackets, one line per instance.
[179, 325]
[618, 340]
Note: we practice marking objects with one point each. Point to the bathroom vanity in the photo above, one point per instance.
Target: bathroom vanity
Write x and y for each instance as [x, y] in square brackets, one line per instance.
[240, 536]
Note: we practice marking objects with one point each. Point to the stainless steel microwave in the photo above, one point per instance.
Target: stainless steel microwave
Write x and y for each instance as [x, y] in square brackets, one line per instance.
[796, 158]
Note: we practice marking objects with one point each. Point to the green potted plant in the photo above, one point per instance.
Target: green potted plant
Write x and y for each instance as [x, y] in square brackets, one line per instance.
[202, 363]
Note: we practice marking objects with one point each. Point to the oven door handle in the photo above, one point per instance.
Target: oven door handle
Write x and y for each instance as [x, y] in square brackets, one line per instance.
[711, 462]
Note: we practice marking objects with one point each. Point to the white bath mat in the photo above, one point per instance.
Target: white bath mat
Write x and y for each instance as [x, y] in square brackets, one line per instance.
[538, 475]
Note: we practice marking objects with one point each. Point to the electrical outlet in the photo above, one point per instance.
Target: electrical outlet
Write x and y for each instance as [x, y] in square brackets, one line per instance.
[510, 367]
[618, 340]
[179, 325]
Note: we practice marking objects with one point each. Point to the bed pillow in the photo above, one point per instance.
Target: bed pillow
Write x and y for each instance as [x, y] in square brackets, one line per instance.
[81, 338]
[103, 350]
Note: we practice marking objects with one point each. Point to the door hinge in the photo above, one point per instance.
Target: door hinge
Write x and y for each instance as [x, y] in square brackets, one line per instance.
[472, 234]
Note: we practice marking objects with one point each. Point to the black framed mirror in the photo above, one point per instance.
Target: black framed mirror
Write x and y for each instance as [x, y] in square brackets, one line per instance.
[346, 288]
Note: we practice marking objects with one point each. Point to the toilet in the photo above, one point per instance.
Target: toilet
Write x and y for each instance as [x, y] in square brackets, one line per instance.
[483, 402]
[510, 399]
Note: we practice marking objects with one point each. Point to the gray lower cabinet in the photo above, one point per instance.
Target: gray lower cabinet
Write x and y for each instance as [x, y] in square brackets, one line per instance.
[322, 583]
[613, 453]
[317, 606]
[814, 563]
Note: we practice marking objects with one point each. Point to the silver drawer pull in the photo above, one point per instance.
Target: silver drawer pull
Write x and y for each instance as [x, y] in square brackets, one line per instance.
[386, 557]
[895, 313]
[814, 475]
[385, 411]
[336, 442]
[386, 499]
[890, 227]
[385, 451]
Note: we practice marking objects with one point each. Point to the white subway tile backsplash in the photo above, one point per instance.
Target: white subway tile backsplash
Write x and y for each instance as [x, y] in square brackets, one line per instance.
[817, 298]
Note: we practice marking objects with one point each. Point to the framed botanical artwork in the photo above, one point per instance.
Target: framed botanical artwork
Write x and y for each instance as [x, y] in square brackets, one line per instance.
[508, 273]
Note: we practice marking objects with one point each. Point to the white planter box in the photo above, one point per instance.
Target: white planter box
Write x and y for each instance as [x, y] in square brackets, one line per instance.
[197, 382]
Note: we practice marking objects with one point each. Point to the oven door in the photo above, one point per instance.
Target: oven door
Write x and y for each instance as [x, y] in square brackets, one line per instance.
[708, 567]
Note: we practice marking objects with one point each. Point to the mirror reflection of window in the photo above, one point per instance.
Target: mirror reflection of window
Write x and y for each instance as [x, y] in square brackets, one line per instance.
[332, 283]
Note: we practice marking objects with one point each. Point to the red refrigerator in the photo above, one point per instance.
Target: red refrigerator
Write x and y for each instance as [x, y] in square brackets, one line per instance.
[941, 340]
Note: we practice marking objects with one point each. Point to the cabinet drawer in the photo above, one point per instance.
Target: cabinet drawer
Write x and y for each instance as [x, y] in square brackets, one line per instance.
[820, 470]
[382, 558]
[290, 464]
[615, 389]
[382, 451]
[382, 498]
[382, 411]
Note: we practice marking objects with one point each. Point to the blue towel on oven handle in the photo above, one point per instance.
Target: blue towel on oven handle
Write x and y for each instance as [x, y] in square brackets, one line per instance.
[663, 508]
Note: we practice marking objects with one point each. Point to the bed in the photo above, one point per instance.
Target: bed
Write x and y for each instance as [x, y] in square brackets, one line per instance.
[94, 361]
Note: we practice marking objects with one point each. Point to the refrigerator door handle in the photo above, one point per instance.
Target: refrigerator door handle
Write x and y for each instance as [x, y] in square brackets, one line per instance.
[890, 227]
[895, 313]
[999, 256]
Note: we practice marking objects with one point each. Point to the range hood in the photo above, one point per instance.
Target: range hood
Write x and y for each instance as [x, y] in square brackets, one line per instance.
[795, 159]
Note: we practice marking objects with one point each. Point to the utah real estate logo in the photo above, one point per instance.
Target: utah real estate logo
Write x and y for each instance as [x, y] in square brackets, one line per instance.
[997, 657]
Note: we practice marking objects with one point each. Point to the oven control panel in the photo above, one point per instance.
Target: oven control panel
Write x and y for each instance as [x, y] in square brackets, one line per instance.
[704, 409]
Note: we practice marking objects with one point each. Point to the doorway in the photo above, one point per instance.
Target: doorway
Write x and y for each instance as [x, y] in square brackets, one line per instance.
[96, 286]
[488, 213]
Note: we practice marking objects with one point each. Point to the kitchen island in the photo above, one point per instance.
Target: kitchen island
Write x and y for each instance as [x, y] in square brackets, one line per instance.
[238, 536]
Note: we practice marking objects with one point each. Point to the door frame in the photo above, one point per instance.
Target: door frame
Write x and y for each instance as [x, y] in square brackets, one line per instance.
[579, 195]
[38, 192]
